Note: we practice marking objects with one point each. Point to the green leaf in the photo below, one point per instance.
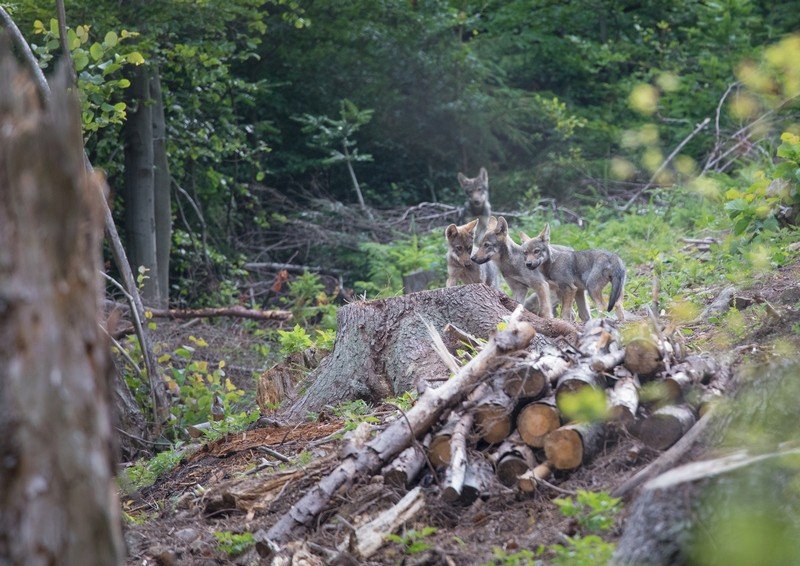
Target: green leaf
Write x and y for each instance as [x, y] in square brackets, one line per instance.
[81, 59]
[123, 83]
[96, 51]
[135, 58]
[120, 107]
[73, 41]
[38, 27]
[111, 39]
[54, 28]
[260, 176]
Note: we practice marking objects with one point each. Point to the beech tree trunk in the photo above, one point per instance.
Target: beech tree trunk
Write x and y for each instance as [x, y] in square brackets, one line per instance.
[162, 200]
[58, 501]
[383, 348]
[140, 220]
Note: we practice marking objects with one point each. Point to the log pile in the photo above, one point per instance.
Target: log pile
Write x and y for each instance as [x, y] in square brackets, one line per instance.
[522, 411]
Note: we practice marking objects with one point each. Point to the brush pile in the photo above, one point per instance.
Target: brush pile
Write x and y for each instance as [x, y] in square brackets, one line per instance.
[520, 409]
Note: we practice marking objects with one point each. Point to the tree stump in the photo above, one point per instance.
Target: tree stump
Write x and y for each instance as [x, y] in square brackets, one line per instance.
[383, 348]
[58, 504]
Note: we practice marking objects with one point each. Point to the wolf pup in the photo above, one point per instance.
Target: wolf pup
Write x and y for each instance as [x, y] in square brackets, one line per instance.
[573, 272]
[477, 191]
[496, 245]
[459, 266]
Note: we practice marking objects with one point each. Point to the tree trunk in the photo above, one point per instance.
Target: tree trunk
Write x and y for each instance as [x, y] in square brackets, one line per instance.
[383, 348]
[140, 222]
[58, 502]
[161, 190]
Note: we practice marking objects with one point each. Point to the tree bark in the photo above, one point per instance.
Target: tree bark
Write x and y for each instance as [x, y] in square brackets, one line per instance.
[140, 222]
[383, 348]
[623, 401]
[162, 195]
[58, 502]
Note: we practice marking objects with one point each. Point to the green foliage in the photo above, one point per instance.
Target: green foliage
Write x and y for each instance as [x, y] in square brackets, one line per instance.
[754, 209]
[194, 384]
[295, 340]
[234, 544]
[387, 263]
[354, 413]
[594, 511]
[585, 405]
[582, 551]
[307, 300]
[522, 557]
[98, 66]
[336, 136]
[412, 541]
[404, 402]
[145, 472]
[231, 424]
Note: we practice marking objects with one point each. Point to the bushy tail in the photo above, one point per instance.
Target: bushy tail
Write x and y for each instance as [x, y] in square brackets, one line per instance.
[617, 281]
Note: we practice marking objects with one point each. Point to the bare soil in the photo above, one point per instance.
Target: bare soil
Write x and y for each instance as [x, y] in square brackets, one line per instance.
[173, 526]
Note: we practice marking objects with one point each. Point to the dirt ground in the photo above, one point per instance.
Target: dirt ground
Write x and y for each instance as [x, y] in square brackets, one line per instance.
[178, 516]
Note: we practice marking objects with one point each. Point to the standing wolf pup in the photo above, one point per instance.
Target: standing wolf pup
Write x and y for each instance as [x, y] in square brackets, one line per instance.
[459, 266]
[477, 191]
[573, 272]
[496, 245]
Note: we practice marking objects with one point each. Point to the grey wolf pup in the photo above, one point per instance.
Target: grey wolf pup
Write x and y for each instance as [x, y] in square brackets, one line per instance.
[477, 191]
[573, 272]
[496, 245]
[459, 266]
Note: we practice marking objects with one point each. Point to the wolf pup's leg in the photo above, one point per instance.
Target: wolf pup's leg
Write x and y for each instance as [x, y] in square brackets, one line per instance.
[583, 308]
[567, 296]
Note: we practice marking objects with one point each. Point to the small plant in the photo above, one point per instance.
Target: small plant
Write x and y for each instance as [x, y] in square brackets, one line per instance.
[354, 413]
[294, 340]
[594, 511]
[412, 541]
[234, 544]
[582, 551]
[403, 402]
[522, 557]
[145, 472]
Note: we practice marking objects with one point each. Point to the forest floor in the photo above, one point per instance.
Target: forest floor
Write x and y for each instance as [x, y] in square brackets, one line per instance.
[174, 522]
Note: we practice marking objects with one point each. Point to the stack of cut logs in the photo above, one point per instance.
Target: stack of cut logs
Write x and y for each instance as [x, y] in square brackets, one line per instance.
[512, 425]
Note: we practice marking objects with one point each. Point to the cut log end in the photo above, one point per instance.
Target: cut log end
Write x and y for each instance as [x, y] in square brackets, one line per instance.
[643, 357]
[564, 449]
[493, 423]
[536, 421]
[666, 426]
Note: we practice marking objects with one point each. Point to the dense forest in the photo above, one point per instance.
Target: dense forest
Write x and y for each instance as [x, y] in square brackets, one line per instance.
[275, 162]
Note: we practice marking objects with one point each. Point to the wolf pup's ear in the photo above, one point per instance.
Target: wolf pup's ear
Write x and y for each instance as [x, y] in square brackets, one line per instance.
[544, 235]
[470, 226]
[523, 236]
[483, 175]
[451, 232]
[462, 180]
[502, 227]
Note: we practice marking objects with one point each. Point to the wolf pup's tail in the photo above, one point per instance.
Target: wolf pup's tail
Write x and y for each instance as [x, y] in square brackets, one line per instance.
[617, 281]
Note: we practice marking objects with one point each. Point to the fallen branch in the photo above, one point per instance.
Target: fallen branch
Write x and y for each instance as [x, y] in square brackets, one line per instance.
[237, 311]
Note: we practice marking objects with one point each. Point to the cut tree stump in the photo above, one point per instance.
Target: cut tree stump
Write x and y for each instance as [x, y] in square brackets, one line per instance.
[493, 417]
[383, 348]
